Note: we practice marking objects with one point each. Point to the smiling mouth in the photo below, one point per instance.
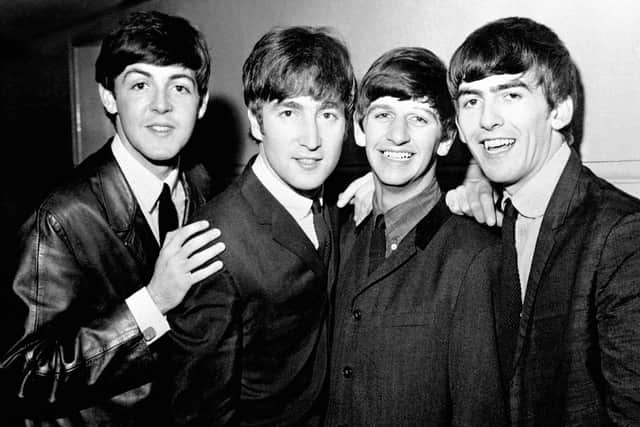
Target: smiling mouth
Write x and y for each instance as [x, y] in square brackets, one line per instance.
[397, 155]
[498, 145]
[160, 128]
[307, 161]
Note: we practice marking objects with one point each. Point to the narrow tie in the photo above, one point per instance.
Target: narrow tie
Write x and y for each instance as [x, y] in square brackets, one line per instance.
[167, 214]
[509, 295]
[378, 244]
[322, 230]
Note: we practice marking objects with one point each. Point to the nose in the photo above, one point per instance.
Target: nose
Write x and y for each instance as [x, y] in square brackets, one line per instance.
[490, 117]
[311, 138]
[161, 102]
[399, 131]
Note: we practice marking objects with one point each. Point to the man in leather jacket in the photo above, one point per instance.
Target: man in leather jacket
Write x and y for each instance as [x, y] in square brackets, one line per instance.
[96, 272]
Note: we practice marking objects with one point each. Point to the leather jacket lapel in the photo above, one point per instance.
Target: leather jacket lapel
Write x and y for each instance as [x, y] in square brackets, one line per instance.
[123, 212]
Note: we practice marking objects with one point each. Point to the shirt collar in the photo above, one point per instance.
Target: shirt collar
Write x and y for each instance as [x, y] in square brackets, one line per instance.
[296, 204]
[532, 199]
[145, 185]
[401, 219]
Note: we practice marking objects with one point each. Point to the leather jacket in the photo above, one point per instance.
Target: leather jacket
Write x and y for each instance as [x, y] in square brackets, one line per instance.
[82, 359]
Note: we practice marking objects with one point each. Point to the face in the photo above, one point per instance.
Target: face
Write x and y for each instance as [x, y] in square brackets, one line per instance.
[301, 139]
[510, 130]
[156, 110]
[401, 139]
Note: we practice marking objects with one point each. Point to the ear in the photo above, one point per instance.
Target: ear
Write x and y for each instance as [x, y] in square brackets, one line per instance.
[358, 134]
[444, 146]
[204, 101]
[108, 100]
[562, 114]
[256, 129]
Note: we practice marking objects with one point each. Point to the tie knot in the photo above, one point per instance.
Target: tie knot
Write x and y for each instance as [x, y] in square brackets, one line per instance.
[380, 224]
[165, 194]
[510, 211]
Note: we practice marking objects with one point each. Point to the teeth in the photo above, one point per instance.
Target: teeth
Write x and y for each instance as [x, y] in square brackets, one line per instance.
[397, 155]
[307, 161]
[159, 128]
[498, 145]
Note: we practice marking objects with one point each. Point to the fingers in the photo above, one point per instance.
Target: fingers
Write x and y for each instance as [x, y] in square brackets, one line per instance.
[488, 209]
[199, 258]
[453, 202]
[205, 272]
[472, 193]
[354, 188]
[198, 242]
[176, 238]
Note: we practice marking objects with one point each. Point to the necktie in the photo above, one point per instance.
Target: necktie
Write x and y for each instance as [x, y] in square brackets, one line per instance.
[509, 293]
[167, 214]
[378, 244]
[322, 230]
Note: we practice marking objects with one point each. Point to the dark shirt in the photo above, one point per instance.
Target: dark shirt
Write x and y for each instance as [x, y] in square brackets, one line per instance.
[401, 219]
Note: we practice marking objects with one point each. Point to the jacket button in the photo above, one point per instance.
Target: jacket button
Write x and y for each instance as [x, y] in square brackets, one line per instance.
[356, 314]
[347, 372]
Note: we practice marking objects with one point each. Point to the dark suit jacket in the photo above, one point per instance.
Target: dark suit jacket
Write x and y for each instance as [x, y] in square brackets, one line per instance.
[249, 345]
[578, 354]
[414, 342]
[82, 359]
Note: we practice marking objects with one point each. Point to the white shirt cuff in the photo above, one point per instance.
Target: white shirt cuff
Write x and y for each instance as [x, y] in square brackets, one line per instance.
[148, 316]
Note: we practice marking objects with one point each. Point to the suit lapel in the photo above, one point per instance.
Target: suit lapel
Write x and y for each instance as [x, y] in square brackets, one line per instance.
[284, 229]
[418, 238]
[564, 199]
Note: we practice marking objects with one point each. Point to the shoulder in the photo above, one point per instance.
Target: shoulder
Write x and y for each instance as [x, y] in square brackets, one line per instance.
[228, 205]
[80, 195]
[605, 198]
[466, 234]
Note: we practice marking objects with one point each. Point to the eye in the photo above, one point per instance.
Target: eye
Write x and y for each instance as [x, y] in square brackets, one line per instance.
[286, 113]
[469, 102]
[183, 89]
[329, 115]
[418, 120]
[138, 86]
[382, 115]
[513, 96]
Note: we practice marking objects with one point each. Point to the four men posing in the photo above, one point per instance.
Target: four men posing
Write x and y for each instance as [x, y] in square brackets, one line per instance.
[414, 317]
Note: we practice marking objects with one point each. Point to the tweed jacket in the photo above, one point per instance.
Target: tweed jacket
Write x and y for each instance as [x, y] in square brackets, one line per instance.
[414, 341]
[577, 360]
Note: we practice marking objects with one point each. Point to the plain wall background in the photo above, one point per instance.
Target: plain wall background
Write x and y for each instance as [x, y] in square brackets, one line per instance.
[603, 37]
[38, 86]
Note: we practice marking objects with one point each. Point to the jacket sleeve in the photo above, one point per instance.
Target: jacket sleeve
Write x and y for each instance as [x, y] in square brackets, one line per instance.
[203, 352]
[71, 353]
[618, 320]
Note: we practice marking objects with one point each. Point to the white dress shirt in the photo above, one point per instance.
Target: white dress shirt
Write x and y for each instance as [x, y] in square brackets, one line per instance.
[531, 201]
[298, 206]
[146, 188]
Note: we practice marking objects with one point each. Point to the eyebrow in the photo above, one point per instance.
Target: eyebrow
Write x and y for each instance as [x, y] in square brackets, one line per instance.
[427, 108]
[147, 74]
[516, 83]
[329, 104]
[289, 104]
